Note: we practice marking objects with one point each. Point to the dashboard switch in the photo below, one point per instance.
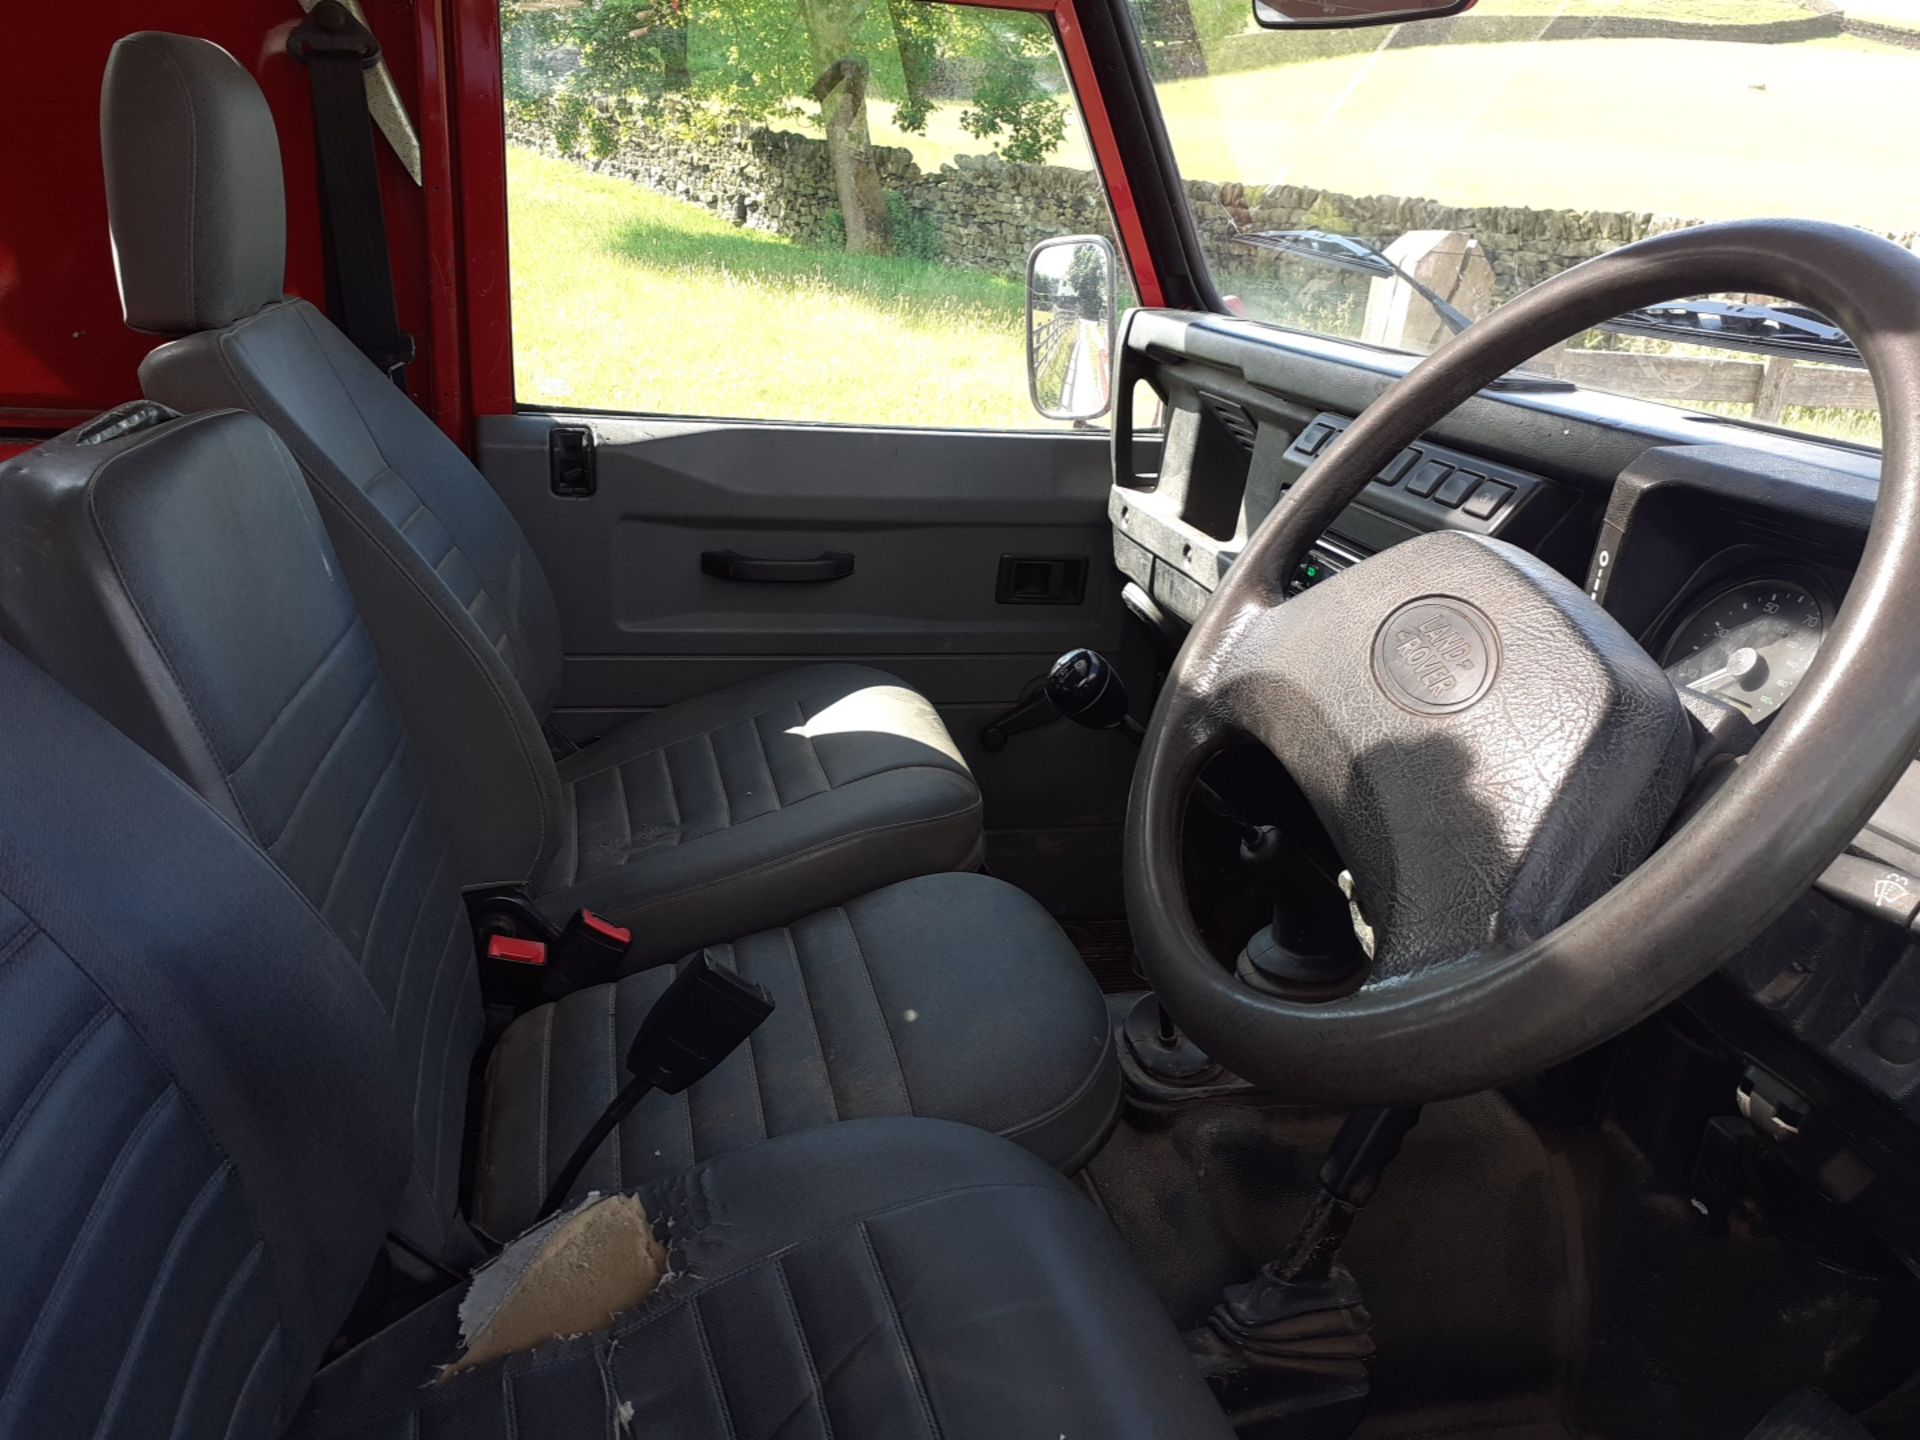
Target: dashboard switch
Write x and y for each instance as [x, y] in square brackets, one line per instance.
[1314, 439]
[1485, 502]
[1397, 468]
[1871, 888]
[1456, 487]
[1424, 481]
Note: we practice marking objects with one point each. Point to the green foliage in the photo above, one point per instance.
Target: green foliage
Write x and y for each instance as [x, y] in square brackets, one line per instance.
[1087, 279]
[919, 32]
[593, 71]
[1325, 215]
[914, 235]
[1009, 102]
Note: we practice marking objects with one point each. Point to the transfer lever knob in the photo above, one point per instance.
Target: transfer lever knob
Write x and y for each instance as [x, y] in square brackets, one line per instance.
[1087, 690]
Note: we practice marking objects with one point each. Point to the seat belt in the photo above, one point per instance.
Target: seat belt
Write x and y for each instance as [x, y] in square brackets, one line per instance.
[338, 51]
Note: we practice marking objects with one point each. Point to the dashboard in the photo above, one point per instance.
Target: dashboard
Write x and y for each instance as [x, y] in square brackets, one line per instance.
[1725, 549]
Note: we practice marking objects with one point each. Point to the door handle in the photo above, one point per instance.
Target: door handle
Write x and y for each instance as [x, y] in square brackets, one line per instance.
[732, 565]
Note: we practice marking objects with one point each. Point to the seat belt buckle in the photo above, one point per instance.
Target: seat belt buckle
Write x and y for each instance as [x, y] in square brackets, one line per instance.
[591, 950]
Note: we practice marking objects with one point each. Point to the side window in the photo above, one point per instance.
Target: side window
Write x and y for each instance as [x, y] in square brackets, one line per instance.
[714, 211]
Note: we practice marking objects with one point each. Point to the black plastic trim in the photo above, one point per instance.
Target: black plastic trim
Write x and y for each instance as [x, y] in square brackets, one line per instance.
[758, 570]
[1160, 199]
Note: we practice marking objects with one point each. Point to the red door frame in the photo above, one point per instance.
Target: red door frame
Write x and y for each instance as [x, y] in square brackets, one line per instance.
[474, 263]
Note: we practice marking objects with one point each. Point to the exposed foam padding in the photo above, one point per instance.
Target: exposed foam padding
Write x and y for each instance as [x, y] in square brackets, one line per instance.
[569, 1275]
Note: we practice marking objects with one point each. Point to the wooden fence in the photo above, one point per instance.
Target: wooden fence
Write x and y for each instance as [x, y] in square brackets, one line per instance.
[1770, 385]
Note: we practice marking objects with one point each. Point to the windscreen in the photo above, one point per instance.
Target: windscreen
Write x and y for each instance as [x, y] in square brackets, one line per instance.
[1390, 185]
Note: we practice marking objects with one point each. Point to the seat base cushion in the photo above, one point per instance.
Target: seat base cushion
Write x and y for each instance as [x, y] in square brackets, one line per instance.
[868, 1281]
[754, 804]
[954, 996]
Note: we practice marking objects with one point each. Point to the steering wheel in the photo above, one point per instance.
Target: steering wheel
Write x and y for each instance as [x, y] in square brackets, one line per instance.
[1496, 760]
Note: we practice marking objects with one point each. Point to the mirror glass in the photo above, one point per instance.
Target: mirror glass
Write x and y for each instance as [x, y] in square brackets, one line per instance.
[1310, 14]
[1070, 326]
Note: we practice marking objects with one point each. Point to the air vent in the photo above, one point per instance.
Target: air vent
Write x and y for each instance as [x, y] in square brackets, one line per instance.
[1234, 416]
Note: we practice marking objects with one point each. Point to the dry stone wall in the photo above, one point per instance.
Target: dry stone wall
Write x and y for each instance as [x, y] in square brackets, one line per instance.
[987, 212]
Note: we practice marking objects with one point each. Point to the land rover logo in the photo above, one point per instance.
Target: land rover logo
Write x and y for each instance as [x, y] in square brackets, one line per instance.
[1436, 656]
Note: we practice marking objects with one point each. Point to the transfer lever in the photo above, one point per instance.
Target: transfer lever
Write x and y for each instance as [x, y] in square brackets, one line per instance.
[1082, 686]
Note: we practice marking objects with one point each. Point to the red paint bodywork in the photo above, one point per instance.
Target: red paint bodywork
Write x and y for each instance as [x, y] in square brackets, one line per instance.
[64, 353]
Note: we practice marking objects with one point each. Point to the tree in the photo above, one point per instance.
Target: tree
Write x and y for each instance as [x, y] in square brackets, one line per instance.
[840, 87]
[1087, 280]
[594, 69]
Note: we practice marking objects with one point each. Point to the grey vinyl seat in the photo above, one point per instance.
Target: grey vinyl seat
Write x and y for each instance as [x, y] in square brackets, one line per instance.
[206, 1134]
[175, 575]
[745, 807]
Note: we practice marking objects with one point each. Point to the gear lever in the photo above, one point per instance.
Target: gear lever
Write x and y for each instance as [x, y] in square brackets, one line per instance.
[1293, 1342]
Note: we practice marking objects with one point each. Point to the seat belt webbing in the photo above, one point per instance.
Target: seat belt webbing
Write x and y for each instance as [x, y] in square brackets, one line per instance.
[338, 51]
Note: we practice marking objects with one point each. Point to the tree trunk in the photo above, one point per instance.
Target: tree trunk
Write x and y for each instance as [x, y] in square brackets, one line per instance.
[842, 93]
[675, 74]
[1178, 55]
[917, 58]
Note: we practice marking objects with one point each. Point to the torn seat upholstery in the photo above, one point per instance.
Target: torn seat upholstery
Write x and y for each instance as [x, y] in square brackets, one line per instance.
[733, 811]
[205, 1134]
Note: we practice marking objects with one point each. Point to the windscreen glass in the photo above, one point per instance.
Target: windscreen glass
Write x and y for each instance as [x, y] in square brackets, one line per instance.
[1390, 185]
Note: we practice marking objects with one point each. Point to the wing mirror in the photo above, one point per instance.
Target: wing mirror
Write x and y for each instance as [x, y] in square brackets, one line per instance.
[1071, 318]
[1349, 14]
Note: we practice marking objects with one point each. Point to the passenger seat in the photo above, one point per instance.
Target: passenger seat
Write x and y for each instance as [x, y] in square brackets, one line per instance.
[175, 575]
[205, 1134]
[743, 808]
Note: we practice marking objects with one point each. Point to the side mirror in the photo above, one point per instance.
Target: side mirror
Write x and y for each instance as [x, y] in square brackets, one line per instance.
[1070, 326]
[1349, 14]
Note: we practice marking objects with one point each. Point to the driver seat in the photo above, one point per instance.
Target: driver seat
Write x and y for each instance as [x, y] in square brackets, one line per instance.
[205, 1137]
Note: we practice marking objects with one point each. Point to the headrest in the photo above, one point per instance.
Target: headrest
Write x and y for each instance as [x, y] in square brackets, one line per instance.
[195, 199]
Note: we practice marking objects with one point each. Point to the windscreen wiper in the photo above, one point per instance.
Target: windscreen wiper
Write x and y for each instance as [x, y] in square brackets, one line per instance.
[1788, 330]
[1348, 252]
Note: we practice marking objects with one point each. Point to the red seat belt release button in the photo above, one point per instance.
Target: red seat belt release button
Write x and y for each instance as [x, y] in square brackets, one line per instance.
[606, 930]
[516, 951]
[591, 950]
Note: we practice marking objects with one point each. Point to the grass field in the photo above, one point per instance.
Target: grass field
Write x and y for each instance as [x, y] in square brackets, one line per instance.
[627, 300]
[1602, 125]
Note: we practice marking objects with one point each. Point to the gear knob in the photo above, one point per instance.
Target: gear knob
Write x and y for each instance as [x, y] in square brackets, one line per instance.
[1086, 689]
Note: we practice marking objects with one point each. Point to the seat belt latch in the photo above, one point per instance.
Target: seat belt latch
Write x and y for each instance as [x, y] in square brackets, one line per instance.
[591, 950]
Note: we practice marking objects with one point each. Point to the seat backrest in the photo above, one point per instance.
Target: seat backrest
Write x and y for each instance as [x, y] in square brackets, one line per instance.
[202, 1139]
[176, 576]
[453, 596]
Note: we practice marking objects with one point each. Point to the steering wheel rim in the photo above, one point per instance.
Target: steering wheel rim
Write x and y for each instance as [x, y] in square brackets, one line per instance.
[1711, 885]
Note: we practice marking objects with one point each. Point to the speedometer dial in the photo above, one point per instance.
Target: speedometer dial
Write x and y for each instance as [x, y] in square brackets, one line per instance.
[1749, 645]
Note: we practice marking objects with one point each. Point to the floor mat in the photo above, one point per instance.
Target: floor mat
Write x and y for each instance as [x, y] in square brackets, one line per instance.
[1462, 1254]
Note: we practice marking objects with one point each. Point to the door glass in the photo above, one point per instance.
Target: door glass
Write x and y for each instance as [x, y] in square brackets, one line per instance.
[716, 211]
